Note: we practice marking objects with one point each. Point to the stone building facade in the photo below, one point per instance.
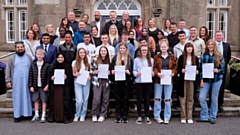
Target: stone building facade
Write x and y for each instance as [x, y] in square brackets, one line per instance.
[18, 15]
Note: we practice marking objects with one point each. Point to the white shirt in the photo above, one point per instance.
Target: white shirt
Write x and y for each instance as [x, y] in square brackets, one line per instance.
[220, 47]
[111, 50]
[39, 65]
[98, 26]
[82, 65]
[90, 49]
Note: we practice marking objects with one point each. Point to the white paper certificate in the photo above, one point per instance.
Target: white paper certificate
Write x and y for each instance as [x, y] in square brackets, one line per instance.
[146, 74]
[82, 78]
[167, 78]
[120, 73]
[190, 73]
[103, 71]
[207, 70]
[59, 76]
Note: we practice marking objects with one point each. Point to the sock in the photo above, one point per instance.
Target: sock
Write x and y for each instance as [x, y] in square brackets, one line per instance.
[36, 113]
[43, 114]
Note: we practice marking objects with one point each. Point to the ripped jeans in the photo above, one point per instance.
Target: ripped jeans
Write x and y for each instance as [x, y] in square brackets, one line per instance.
[158, 89]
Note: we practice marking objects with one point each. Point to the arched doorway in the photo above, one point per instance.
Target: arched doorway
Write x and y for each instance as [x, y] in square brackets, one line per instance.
[105, 6]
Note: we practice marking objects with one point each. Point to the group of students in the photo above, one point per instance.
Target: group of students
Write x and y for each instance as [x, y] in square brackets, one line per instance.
[152, 51]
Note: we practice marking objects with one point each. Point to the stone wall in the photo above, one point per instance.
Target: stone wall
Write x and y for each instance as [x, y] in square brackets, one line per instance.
[44, 14]
[2, 24]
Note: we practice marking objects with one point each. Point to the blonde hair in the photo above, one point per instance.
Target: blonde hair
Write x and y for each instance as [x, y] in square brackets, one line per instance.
[116, 35]
[216, 53]
[152, 19]
[40, 50]
[127, 55]
[46, 29]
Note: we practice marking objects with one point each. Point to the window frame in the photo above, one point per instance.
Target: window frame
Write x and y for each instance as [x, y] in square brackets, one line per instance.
[213, 22]
[8, 40]
[19, 24]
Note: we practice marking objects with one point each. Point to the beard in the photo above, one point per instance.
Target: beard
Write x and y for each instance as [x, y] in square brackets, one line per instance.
[97, 19]
[20, 53]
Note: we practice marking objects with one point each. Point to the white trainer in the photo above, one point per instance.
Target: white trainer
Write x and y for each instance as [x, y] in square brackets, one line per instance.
[101, 119]
[82, 119]
[75, 119]
[94, 118]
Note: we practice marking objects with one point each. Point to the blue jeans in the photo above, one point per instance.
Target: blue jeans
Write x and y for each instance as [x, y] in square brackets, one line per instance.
[214, 101]
[158, 89]
[81, 94]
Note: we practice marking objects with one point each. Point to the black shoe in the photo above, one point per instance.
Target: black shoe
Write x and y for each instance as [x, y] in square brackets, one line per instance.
[220, 108]
[199, 120]
[124, 119]
[212, 121]
[118, 119]
[16, 120]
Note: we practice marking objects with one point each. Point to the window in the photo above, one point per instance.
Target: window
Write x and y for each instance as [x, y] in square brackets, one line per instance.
[22, 23]
[22, 2]
[223, 2]
[105, 6]
[211, 22]
[9, 2]
[10, 26]
[217, 11]
[16, 19]
[211, 2]
[223, 22]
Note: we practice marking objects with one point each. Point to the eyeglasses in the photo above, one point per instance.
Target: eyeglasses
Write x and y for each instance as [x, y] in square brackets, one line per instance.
[144, 50]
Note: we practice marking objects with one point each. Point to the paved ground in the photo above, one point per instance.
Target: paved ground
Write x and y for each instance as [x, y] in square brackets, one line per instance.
[224, 126]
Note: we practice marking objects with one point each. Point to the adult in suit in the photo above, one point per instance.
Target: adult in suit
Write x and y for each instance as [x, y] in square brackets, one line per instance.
[225, 50]
[113, 20]
[50, 50]
[100, 24]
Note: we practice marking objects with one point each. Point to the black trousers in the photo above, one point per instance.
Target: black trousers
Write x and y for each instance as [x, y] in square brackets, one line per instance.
[143, 91]
[121, 91]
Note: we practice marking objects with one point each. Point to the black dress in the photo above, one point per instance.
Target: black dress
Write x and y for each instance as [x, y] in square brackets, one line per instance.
[60, 100]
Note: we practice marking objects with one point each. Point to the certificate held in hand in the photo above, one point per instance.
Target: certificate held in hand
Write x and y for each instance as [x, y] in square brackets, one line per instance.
[103, 71]
[120, 73]
[59, 76]
[146, 74]
[82, 78]
[207, 70]
[167, 78]
[190, 73]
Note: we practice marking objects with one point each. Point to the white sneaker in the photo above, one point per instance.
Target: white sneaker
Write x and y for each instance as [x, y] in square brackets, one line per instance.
[82, 119]
[75, 119]
[139, 120]
[101, 119]
[183, 121]
[94, 118]
[190, 121]
[43, 120]
[35, 118]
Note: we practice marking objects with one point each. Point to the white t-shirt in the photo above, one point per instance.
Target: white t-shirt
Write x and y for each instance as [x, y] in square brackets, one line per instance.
[111, 50]
[90, 49]
[82, 65]
[39, 65]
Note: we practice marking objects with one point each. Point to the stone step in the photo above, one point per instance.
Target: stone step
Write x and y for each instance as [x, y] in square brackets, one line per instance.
[230, 101]
[228, 112]
[227, 94]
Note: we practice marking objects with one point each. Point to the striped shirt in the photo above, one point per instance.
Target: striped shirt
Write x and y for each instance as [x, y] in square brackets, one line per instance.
[207, 58]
